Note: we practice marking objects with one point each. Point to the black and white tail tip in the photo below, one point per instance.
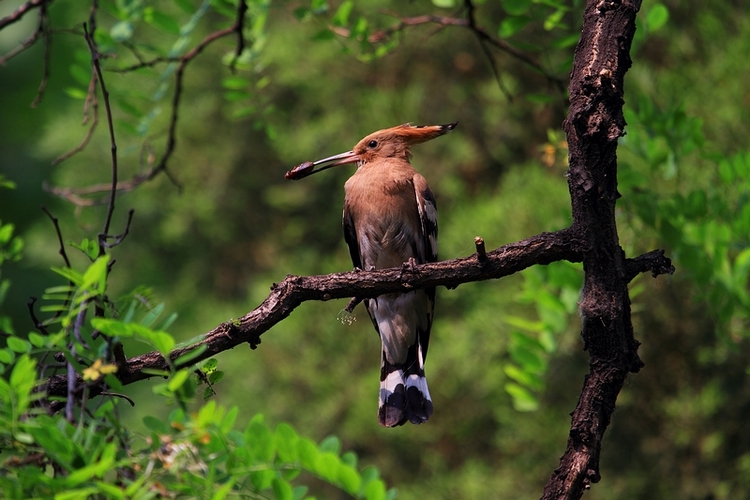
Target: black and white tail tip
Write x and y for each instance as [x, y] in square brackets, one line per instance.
[403, 398]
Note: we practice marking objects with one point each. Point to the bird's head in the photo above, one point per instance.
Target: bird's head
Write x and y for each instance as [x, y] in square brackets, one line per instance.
[391, 142]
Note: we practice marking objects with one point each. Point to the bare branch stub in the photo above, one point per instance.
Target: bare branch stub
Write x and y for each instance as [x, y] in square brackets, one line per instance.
[593, 127]
[654, 261]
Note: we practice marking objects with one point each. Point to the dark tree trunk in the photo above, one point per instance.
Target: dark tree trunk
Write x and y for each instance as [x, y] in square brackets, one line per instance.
[593, 126]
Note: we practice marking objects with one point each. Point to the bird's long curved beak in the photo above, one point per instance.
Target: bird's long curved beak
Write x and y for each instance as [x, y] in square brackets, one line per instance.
[308, 168]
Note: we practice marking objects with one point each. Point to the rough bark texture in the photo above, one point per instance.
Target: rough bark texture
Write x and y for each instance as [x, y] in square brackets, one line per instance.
[593, 126]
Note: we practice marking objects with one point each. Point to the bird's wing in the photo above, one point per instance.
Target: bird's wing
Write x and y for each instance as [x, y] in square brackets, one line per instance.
[428, 218]
[350, 236]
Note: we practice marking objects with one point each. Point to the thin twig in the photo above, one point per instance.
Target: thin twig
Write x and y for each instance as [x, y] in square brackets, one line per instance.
[179, 73]
[44, 27]
[240, 27]
[483, 42]
[56, 223]
[120, 237]
[95, 57]
[24, 9]
[90, 108]
[118, 395]
[37, 324]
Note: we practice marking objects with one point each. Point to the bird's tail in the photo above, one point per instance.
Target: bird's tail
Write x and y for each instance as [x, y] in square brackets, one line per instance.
[403, 393]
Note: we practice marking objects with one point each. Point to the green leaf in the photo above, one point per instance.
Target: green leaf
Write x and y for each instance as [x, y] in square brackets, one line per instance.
[512, 25]
[302, 13]
[444, 4]
[540, 98]
[341, 17]
[554, 20]
[282, 490]
[528, 359]
[528, 379]
[286, 438]
[516, 7]
[190, 355]
[162, 341]
[319, 6]
[523, 400]
[236, 95]
[349, 479]
[323, 35]
[566, 41]
[155, 424]
[327, 466]
[221, 493]
[69, 274]
[657, 17]
[121, 31]
[161, 21]
[375, 490]
[524, 324]
[76, 93]
[18, 345]
[7, 356]
[95, 276]
[330, 444]
[22, 380]
[235, 83]
[80, 74]
[216, 376]
[178, 379]
[308, 454]
[259, 440]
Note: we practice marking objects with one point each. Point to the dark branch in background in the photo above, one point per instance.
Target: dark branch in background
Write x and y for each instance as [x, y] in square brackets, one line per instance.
[483, 35]
[95, 58]
[78, 196]
[483, 43]
[45, 32]
[56, 223]
[239, 29]
[567, 244]
[90, 108]
[40, 325]
[24, 9]
[116, 240]
[42, 30]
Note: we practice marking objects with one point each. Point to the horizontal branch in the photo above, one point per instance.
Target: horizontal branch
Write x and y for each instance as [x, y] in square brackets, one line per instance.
[287, 295]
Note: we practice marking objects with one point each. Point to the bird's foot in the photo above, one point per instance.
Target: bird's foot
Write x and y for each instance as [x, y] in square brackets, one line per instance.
[410, 267]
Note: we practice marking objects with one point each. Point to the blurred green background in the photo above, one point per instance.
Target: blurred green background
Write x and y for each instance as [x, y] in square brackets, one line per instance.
[506, 363]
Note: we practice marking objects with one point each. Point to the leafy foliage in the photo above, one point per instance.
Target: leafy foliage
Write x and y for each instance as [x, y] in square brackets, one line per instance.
[198, 452]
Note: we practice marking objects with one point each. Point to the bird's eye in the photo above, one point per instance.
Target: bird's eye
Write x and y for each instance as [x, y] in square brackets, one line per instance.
[372, 144]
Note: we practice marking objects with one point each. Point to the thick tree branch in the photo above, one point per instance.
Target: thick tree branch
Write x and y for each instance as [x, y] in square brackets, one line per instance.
[566, 244]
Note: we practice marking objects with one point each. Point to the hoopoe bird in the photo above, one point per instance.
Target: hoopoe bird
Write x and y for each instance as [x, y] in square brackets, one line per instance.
[390, 220]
